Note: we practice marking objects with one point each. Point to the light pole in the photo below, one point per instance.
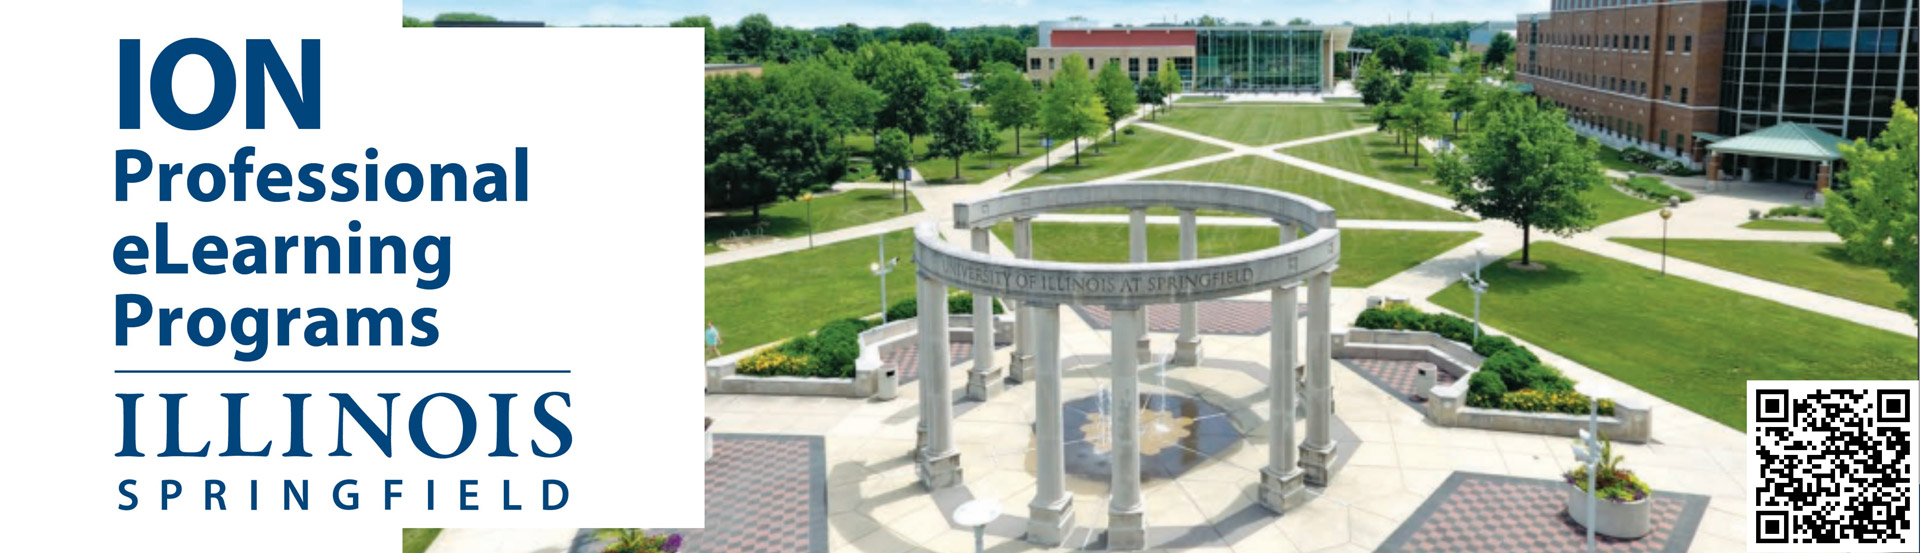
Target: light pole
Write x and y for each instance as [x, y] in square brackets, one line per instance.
[880, 269]
[905, 175]
[808, 198]
[1477, 285]
[1589, 451]
[1666, 213]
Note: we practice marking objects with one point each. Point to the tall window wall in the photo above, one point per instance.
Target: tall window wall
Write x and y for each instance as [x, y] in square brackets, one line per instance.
[1837, 64]
[1258, 59]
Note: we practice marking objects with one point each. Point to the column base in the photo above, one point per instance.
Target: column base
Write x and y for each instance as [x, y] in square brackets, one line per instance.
[1144, 348]
[1126, 531]
[983, 385]
[939, 472]
[1318, 463]
[1186, 353]
[1050, 524]
[1020, 369]
[1281, 493]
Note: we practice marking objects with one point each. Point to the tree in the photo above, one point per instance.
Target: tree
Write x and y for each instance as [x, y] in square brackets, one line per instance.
[713, 47]
[753, 37]
[843, 101]
[922, 33]
[1421, 114]
[956, 132]
[1527, 167]
[1875, 215]
[1071, 109]
[1012, 102]
[766, 140]
[910, 87]
[1499, 50]
[1117, 94]
[1152, 91]
[1463, 93]
[1418, 55]
[1299, 21]
[409, 21]
[1375, 81]
[849, 37]
[1391, 55]
[892, 152]
[464, 17]
[1170, 85]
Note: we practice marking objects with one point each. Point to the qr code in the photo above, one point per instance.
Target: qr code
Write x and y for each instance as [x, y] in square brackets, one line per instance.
[1832, 465]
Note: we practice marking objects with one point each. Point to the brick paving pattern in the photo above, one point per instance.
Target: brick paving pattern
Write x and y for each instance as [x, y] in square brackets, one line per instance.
[1482, 513]
[907, 357]
[1394, 376]
[1233, 317]
[765, 494]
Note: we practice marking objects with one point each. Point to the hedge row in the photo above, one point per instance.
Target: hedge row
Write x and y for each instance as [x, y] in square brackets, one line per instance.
[1647, 159]
[826, 353]
[1408, 318]
[1653, 188]
[1798, 211]
[1512, 378]
[957, 304]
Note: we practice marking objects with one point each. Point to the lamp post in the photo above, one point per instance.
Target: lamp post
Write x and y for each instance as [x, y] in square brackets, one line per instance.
[977, 514]
[1477, 285]
[880, 269]
[808, 198]
[905, 175]
[1666, 213]
[1589, 451]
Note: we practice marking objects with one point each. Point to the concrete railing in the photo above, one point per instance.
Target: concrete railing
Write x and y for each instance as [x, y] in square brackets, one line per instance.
[875, 345]
[1632, 421]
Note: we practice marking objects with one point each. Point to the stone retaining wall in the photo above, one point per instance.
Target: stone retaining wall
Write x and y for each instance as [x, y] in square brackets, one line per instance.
[1447, 405]
[875, 344]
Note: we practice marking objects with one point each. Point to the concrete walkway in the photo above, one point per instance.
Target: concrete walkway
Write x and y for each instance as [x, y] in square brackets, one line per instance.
[1230, 221]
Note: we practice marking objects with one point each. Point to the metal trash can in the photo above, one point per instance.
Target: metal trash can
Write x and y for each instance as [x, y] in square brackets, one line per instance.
[889, 385]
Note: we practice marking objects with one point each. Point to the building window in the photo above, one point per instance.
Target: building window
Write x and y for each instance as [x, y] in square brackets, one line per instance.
[1133, 67]
[1663, 138]
[1033, 64]
[1669, 44]
[1688, 44]
[1153, 65]
[1683, 95]
[1050, 63]
[1089, 64]
[1666, 93]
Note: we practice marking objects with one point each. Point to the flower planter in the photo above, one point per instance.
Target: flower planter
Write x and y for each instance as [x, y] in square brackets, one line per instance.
[1626, 520]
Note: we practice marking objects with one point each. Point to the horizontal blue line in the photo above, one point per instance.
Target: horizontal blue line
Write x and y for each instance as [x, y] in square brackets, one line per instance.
[343, 371]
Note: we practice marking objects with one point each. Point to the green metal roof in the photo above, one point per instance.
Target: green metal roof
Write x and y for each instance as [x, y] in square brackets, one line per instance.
[1523, 88]
[1784, 141]
[1709, 137]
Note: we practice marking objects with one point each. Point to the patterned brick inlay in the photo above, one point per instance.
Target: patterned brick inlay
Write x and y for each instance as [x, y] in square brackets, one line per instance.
[1484, 513]
[765, 494]
[1231, 317]
[1394, 376]
[907, 357]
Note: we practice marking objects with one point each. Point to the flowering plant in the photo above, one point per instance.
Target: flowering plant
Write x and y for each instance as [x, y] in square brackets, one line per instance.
[636, 540]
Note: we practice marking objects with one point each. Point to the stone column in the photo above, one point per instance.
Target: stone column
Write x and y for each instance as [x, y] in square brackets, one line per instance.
[1282, 483]
[1713, 169]
[939, 460]
[1050, 515]
[1316, 455]
[1020, 367]
[984, 378]
[1137, 253]
[1126, 512]
[1186, 348]
[1823, 177]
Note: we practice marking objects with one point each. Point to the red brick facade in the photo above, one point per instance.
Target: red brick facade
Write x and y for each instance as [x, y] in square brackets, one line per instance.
[1612, 68]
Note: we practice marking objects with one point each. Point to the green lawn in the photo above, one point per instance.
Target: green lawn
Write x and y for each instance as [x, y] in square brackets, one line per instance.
[1352, 201]
[1200, 100]
[1777, 224]
[416, 540]
[789, 219]
[1140, 150]
[1367, 256]
[1822, 268]
[774, 298]
[1690, 343]
[1268, 124]
[1611, 205]
[1374, 155]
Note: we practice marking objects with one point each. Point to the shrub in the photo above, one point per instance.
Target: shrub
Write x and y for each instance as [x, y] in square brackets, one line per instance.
[1653, 188]
[1798, 211]
[835, 348]
[1514, 368]
[957, 304]
[1537, 401]
[1485, 390]
[1450, 327]
[1636, 156]
[903, 309]
[1393, 318]
[1488, 346]
[773, 362]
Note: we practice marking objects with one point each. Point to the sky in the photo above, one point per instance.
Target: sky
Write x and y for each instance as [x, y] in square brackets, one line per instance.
[963, 13]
